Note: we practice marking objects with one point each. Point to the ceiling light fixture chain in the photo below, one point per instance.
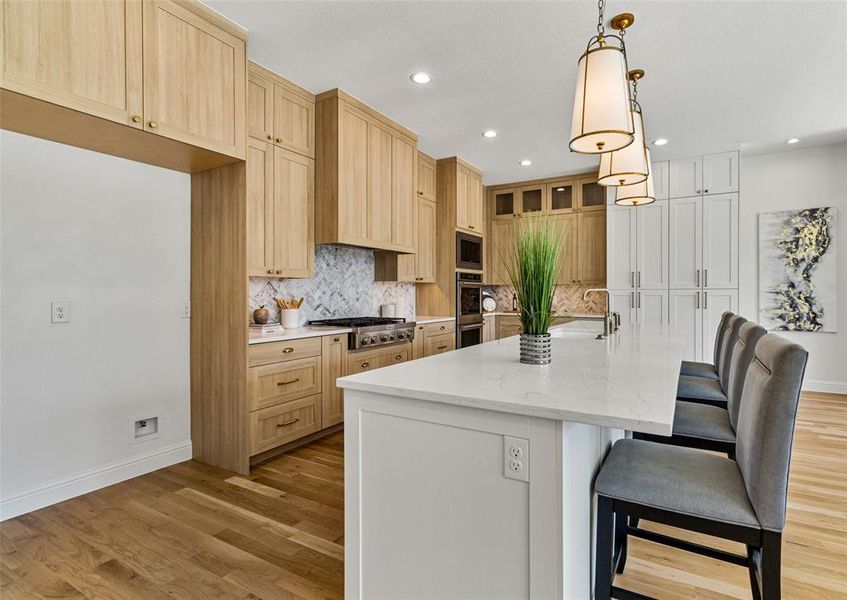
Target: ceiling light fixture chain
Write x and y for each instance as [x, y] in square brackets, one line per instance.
[601, 29]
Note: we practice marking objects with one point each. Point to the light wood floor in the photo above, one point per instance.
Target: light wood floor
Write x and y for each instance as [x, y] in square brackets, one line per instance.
[191, 531]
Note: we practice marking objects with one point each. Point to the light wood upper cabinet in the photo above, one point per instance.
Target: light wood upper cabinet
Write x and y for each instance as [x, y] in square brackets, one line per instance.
[379, 184]
[463, 178]
[194, 79]
[260, 106]
[260, 208]
[531, 199]
[591, 246]
[280, 112]
[366, 177]
[294, 209]
[426, 176]
[403, 198]
[475, 213]
[460, 188]
[565, 225]
[502, 234]
[280, 212]
[591, 196]
[561, 196]
[82, 55]
[505, 206]
[425, 253]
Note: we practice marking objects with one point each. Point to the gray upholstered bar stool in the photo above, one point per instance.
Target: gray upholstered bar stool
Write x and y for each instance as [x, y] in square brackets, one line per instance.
[710, 427]
[713, 391]
[692, 368]
[742, 500]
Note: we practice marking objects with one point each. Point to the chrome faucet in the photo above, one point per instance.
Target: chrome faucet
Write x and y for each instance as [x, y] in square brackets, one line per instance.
[609, 321]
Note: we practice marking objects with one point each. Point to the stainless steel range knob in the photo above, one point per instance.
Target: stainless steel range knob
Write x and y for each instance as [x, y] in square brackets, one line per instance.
[365, 340]
[384, 337]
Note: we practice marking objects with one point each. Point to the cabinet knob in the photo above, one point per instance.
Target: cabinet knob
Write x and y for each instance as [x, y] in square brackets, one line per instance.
[136, 118]
[288, 350]
[365, 365]
[279, 271]
[270, 271]
[153, 124]
[705, 191]
[470, 227]
[336, 339]
[278, 140]
[270, 137]
[398, 357]
[696, 191]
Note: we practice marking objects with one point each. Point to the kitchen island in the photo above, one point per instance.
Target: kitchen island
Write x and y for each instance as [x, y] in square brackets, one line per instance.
[468, 474]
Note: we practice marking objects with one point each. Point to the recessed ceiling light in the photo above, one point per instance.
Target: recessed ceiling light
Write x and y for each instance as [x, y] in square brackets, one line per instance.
[792, 141]
[660, 142]
[526, 162]
[489, 133]
[421, 77]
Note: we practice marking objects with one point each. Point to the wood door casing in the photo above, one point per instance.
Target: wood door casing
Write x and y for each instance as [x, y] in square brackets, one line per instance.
[294, 214]
[83, 55]
[194, 79]
[260, 208]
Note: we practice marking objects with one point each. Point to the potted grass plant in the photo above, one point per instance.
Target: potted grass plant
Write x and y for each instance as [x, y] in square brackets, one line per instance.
[533, 266]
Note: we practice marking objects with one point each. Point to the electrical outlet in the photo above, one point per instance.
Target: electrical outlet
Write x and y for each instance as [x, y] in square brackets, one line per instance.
[516, 458]
[60, 312]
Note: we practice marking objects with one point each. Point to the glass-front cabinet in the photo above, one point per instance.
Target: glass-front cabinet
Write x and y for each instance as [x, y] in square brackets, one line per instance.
[561, 197]
[591, 196]
[531, 199]
[505, 206]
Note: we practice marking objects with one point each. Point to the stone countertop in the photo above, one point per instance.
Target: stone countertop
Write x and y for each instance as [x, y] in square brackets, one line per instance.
[504, 313]
[423, 320]
[627, 381]
[296, 333]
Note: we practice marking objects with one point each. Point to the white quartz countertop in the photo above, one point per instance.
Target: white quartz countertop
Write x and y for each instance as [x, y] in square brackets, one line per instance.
[627, 381]
[296, 333]
[423, 320]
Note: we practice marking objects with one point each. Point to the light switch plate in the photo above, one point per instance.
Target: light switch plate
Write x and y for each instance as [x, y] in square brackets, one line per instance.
[516, 458]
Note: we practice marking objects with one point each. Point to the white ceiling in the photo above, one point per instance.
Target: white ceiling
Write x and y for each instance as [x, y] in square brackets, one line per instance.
[720, 74]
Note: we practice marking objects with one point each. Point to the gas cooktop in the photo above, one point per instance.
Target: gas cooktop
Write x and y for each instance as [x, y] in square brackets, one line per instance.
[369, 332]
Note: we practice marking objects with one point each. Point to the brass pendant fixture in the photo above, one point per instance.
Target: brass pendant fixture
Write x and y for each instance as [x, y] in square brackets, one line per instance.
[637, 194]
[602, 119]
[629, 165]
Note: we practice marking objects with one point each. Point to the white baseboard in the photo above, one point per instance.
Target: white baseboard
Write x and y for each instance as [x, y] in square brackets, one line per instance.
[819, 385]
[63, 489]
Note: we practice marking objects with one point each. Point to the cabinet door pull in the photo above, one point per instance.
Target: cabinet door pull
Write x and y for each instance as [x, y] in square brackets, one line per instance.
[153, 124]
[270, 271]
[697, 306]
[441, 348]
[705, 191]
[442, 327]
[639, 279]
[288, 350]
[470, 227]
[365, 365]
[705, 277]
[287, 423]
[398, 357]
[697, 278]
[278, 140]
[632, 279]
[295, 380]
[638, 304]
[336, 339]
[705, 300]
[632, 299]
[136, 118]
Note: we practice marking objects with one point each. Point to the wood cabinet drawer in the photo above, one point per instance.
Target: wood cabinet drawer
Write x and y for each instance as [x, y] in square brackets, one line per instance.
[438, 344]
[277, 425]
[275, 383]
[368, 360]
[438, 328]
[271, 352]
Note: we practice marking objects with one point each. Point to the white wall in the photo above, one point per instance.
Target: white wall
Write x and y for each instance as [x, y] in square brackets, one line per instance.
[803, 178]
[111, 236]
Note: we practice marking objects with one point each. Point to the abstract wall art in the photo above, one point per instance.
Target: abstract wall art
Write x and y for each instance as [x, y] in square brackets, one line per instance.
[798, 270]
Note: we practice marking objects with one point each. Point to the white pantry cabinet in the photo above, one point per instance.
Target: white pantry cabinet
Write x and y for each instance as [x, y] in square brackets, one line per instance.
[720, 173]
[651, 269]
[686, 245]
[720, 241]
[620, 247]
[651, 306]
[715, 302]
[686, 177]
[661, 183]
[698, 312]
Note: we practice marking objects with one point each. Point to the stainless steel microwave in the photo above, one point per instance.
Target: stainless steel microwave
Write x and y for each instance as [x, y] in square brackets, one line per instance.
[468, 251]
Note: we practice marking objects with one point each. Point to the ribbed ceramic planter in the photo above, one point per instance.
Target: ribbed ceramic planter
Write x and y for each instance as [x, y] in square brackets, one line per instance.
[536, 349]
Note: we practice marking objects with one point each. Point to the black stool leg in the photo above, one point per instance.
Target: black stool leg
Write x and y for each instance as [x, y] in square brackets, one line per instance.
[620, 541]
[603, 554]
[753, 554]
[771, 565]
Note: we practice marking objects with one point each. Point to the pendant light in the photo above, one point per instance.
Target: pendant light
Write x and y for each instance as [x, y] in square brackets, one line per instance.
[637, 194]
[628, 165]
[602, 120]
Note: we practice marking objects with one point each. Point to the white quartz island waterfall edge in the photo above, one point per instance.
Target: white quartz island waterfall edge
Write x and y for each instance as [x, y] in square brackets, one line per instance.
[469, 475]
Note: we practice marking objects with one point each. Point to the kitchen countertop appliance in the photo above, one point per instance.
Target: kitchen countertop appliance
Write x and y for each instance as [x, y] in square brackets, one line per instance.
[373, 332]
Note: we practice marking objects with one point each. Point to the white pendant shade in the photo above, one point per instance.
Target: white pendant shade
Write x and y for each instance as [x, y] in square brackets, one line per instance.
[637, 194]
[628, 165]
[602, 121]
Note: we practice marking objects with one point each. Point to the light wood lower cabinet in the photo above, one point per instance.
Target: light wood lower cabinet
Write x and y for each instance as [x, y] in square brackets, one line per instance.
[274, 352]
[489, 328]
[334, 354]
[278, 425]
[368, 360]
[278, 382]
[434, 338]
[510, 325]
[438, 344]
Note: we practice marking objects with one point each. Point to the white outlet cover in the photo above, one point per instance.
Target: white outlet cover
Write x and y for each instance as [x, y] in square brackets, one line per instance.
[60, 312]
[516, 458]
